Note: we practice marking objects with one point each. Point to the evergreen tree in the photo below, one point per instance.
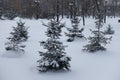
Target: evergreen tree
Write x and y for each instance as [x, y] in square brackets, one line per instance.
[0, 14]
[55, 56]
[22, 30]
[1, 8]
[98, 40]
[10, 14]
[74, 32]
[18, 36]
[109, 30]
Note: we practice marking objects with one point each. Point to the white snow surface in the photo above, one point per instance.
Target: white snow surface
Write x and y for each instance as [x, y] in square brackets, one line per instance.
[84, 66]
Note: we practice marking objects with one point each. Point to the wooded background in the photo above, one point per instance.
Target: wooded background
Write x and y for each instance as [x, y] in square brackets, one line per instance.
[50, 8]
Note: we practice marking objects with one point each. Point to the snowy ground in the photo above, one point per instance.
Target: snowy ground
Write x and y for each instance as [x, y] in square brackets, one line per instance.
[84, 66]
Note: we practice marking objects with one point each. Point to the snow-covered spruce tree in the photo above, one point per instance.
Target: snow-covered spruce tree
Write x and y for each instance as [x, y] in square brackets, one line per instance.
[22, 30]
[10, 15]
[109, 30]
[18, 36]
[74, 32]
[97, 41]
[14, 43]
[54, 58]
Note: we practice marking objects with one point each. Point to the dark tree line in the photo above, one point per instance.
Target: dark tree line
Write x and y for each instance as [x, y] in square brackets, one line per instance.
[48, 8]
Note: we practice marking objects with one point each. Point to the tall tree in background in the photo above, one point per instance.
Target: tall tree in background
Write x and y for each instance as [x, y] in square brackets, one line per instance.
[37, 8]
[57, 10]
[83, 11]
[1, 8]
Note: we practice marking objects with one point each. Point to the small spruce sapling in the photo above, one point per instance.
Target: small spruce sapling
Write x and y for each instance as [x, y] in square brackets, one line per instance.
[98, 41]
[109, 30]
[74, 32]
[54, 58]
[18, 36]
